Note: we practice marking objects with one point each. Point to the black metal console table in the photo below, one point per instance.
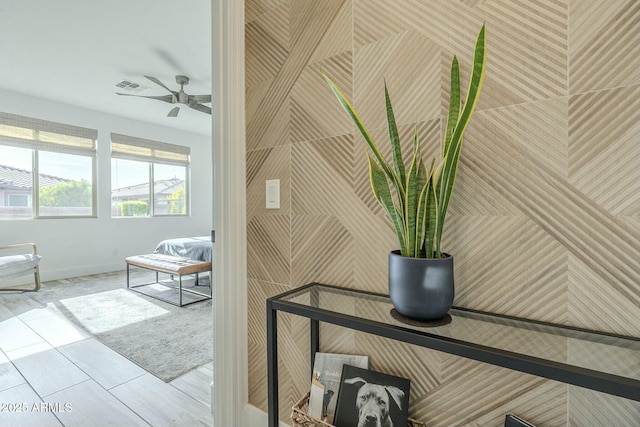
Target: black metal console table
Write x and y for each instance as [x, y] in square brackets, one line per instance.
[598, 361]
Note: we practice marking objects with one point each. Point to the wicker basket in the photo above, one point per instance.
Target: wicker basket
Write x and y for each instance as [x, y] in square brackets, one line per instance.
[301, 419]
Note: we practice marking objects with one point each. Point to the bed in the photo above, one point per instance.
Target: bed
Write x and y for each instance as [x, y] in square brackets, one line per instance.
[198, 248]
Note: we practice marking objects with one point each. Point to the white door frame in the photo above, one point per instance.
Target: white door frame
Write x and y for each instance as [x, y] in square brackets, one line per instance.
[229, 391]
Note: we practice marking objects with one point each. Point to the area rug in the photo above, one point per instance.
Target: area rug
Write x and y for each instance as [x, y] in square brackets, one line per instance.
[163, 339]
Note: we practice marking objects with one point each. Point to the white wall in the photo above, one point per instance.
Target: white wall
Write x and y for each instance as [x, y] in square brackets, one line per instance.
[73, 247]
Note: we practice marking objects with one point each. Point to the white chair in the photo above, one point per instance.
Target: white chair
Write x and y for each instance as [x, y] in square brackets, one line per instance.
[19, 265]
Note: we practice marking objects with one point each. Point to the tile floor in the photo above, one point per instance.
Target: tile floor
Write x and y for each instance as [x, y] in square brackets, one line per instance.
[52, 374]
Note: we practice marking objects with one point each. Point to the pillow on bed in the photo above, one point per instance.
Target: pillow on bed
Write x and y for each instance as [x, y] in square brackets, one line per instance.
[17, 264]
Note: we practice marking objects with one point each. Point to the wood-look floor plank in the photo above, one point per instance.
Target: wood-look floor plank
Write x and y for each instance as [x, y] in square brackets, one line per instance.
[161, 404]
[32, 416]
[9, 375]
[56, 331]
[36, 311]
[46, 369]
[88, 404]
[15, 334]
[105, 366]
[196, 384]
[24, 308]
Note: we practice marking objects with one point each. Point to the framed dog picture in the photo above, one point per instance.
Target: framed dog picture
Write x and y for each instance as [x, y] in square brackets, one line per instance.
[371, 399]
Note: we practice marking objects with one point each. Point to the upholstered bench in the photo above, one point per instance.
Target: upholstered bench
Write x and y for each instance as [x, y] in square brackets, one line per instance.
[16, 265]
[175, 266]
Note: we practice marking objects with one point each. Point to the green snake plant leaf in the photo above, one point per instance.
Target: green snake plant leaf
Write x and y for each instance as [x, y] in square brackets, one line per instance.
[452, 155]
[420, 209]
[429, 212]
[431, 223]
[394, 139]
[382, 193]
[363, 130]
[436, 173]
[411, 205]
[422, 219]
[454, 104]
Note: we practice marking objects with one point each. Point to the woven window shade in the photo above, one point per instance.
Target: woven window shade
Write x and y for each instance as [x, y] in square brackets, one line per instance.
[147, 150]
[30, 133]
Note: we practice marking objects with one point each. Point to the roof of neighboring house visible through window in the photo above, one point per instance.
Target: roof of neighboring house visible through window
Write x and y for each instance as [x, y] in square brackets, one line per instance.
[162, 186]
[16, 178]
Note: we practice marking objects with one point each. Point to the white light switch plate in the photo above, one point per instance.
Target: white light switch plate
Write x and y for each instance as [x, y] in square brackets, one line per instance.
[273, 194]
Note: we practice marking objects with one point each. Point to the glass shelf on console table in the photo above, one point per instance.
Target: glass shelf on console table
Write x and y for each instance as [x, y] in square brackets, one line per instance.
[598, 361]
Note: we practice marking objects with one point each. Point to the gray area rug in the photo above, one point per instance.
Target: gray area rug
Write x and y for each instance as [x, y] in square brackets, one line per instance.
[164, 339]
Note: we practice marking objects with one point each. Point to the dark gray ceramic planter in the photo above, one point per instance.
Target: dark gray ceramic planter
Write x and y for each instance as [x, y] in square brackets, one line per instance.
[421, 288]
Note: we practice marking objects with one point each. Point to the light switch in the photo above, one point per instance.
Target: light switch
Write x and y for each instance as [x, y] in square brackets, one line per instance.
[273, 194]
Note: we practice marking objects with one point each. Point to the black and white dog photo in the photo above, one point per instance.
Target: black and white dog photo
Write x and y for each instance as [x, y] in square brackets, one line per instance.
[371, 399]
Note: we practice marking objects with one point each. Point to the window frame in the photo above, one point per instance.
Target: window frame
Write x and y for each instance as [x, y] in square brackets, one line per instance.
[187, 191]
[150, 152]
[86, 148]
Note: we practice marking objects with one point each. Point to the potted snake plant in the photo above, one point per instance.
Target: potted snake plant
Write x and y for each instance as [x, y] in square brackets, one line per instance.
[416, 198]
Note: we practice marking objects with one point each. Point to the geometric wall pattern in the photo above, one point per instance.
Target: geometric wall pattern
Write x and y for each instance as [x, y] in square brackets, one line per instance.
[545, 219]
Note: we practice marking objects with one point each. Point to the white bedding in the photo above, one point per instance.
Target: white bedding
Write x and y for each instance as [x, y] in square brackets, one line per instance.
[198, 248]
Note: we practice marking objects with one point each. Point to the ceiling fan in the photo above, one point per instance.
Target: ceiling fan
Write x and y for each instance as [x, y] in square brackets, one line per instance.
[180, 97]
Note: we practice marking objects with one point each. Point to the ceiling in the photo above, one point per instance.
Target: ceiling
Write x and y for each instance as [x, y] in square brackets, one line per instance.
[76, 51]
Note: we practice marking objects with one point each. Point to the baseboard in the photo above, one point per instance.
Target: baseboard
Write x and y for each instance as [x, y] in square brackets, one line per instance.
[254, 417]
[81, 270]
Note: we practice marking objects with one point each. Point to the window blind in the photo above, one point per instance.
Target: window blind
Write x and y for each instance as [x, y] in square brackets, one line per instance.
[30, 133]
[147, 150]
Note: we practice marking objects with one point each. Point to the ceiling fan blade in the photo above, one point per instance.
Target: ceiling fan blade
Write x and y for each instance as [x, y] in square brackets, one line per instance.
[174, 112]
[159, 83]
[166, 98]
[199, 98]
[201, 107]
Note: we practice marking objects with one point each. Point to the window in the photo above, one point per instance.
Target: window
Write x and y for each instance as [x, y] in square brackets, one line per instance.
[21, 200]
[169, 194]
[148, 178]
[129, 188]
[47, 169]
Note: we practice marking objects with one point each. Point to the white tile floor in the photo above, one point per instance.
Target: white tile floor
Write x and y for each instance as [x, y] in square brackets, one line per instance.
[52, 374]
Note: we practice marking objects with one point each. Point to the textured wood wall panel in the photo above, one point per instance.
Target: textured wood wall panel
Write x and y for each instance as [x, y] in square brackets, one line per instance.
[410, 64]
[588, 408]
[322, 250]
[267, 44]
[605, 44]
[603, 147]
[314, 115]
[253, 9]
[309, 21]
[545, 220]
[257, 293]
[269, 248]
[475, 394]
